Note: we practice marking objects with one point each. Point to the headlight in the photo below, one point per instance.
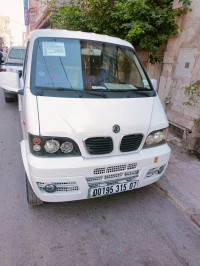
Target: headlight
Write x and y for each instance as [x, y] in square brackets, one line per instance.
[53, 146]
[155, 138]
[67, 147]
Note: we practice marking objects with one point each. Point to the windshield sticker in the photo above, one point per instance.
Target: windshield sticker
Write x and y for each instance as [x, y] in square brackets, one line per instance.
[113, 86]
[99, 88]
[132, 87]
[53, 49]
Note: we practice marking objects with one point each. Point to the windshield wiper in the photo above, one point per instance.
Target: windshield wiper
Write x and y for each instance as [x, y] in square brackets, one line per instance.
[65, 89]
[95, 93]
[143, 93]
[56, 89]
[81, 91]
[40, 90]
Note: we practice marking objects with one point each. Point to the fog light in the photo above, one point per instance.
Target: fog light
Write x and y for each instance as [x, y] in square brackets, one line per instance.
[161, 169]
[155, 171]
[50, 188]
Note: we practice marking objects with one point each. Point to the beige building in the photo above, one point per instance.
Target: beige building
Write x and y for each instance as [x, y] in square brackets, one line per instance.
[181, 67]
[37, 15]
[38, 18]
[5, 32]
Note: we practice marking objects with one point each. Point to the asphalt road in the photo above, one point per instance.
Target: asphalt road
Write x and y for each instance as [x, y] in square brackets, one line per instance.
[140, 227]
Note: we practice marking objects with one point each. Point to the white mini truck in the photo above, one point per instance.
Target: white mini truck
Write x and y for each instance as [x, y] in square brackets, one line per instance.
[92, 122]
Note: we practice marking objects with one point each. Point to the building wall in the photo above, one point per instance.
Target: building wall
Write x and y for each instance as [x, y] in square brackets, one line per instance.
[5, 31]
[37, 14]
[181, 67]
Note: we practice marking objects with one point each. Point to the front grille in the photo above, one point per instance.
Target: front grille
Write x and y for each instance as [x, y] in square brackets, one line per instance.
[99, 145]
[131, 166]
[131, 142]
[112, 179]
[99, 171]
[107, 177]
[114, 168]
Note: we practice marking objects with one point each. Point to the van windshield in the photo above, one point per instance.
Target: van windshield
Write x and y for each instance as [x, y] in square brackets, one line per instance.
[62, 64]
[16, 53]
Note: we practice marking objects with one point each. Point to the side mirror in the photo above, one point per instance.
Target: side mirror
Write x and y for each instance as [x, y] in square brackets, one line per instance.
[10, 81]
[155, 84]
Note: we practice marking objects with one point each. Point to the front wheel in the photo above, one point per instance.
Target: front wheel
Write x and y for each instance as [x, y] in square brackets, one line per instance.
[32, 199]
[8, 97]
[8, 100]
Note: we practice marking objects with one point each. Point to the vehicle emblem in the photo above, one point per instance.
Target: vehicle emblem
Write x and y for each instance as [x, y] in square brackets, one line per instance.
[116, 129]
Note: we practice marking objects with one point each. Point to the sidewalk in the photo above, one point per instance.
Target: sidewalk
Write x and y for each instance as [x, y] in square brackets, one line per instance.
[181, 181]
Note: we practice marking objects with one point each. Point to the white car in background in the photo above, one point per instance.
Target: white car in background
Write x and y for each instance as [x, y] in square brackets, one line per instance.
[13, 63]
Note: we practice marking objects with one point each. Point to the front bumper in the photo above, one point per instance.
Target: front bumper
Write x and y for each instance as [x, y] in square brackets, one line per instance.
[75, 175]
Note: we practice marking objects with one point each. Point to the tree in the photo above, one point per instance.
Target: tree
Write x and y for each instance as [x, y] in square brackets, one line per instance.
[193, 94]
[145, 23]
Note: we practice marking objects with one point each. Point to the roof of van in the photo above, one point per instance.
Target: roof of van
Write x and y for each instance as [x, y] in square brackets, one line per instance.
[78, 35]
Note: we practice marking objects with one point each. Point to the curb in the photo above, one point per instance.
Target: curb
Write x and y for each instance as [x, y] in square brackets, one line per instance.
[177, 201]
[196, 219]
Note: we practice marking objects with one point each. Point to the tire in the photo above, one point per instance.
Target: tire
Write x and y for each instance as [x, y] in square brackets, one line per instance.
[9, 100]
[32, 199]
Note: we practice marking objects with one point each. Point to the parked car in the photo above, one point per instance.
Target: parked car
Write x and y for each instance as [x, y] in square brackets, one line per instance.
[92, 121]
[13, 63]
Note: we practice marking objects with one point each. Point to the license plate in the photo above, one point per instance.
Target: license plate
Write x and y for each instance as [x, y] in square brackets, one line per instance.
[112, 189]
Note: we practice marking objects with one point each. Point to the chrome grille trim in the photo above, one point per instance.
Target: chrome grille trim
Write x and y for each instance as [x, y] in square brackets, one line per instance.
[109, 179]
[129, 173]
[93, 179]
[113, 176]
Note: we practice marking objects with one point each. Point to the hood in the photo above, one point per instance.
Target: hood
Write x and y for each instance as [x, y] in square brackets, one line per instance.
[82, 118]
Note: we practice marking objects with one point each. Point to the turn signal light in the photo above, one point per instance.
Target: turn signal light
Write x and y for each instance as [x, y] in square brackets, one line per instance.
[36, 141]
[156, 159]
